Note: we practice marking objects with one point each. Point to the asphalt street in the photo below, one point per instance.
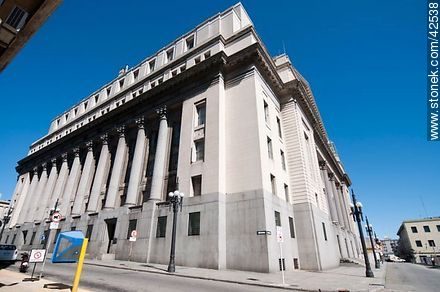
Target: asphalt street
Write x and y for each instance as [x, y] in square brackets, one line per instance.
[97, 278]
[412, 277]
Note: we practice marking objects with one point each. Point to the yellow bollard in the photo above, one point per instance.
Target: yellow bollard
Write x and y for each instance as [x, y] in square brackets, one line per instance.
[80, 265]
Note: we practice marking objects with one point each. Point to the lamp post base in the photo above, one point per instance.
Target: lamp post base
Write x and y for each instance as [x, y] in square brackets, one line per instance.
[377, 264]
[369, 273]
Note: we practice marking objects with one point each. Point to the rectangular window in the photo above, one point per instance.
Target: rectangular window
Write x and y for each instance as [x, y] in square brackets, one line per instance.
[170, 55]
[273, 185]
[286, 193]
[199, 150]
[266, 113]
[283, 160]
[189, 42]
[438, 228]
[17, 18]
[196, 185]
[426, 228]
[280, 134]
[277, 218]
[323, 230]
[161, 229]
[292, 228]
[282, 264]
[200, 114]
[32, 238]
[152, 65]
[414, 229]
[269, 148]
[131, 226]
[431, 243]
[418, 243]
[89, 231]
[295, 263]
[194, 224]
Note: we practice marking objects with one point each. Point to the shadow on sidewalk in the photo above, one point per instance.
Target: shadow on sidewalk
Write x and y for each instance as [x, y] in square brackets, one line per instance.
[58, 286]
[153, 267]
[4, 265]
[4, 285]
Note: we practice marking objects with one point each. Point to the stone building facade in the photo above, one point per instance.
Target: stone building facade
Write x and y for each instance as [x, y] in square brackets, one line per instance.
[216, 117]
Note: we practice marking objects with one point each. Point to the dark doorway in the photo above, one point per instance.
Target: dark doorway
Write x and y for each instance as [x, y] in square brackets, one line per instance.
[111, 227]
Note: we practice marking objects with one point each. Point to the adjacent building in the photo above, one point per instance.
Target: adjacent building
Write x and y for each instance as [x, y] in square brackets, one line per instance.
[4, 206]
[423, 236]
[19, 20]
[213, 115]
[389, 246]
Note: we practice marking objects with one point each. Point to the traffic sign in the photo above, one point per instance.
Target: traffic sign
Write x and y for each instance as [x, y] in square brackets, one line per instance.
[56, 217]
[280, 237]
[133, 235]
[54, 225]
[37, 256]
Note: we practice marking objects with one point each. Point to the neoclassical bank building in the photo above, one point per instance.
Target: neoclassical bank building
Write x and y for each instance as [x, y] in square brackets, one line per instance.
[216, 117]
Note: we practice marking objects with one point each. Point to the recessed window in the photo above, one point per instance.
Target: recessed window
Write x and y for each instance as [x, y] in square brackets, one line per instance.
[17, 18]
[438, 228]
[280, 134]
[161, 229]
[75, 111]
[131, 226]
[418, 243]
[182, 68]
[266, 113]
[292, 227]
[85, 105]
[286, 193]
[170, 55]
[136, 74]
[200, 114]
[24, 236]
[96, 98]
[273, 184]
[189, 43]
[295, 263]
[194, 223]
[207, 54]
[160, 80]
[121, 83]
[277, 218]
[316, 200]
[199, 147]
[152, 65]
[109, 89]
[89, 231]
[426, 228]
[173, 73]
[414, 229]
[283, 160]
[196, 185]
[66, 116]
[431, 243]
[324, 231]
[269, 148]
[197, 60]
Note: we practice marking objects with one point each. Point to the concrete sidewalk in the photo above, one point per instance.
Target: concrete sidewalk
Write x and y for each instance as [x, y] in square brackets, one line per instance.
[347, 277]
[16, 281]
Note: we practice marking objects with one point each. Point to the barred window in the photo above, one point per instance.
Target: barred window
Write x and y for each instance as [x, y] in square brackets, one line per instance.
[17, 18]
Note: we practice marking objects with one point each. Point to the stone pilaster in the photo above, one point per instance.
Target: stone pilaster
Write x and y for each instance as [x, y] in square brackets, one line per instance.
[61, 182]
[43, 211]
[71, 184]
[117, 171]
[159, 161]
[85, 180]
[29, 201]
[328, 192]
[100, 176]
[33, 212]
[137, 164]
[336, 198]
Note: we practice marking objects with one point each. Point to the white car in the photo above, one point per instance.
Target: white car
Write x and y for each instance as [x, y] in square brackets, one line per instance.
[8, 252]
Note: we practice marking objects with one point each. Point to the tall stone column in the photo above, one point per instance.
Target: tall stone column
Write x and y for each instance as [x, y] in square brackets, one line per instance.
[346, 207]
[19, 197]
[33, 212]
[71, 184]
[117, 171]
[85, 180]
[61, 182]
[137, 165]
[100, 176]
[42, 212]
[328, 191]
[159, 160]
[30, 200]
[336, 198]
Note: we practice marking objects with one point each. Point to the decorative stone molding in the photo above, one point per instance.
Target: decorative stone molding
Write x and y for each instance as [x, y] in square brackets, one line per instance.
[104, 139]
[64, 157]
[322, 164]
[35, 170]
[140, 122]
[162, 112]
[121, 131]
[44, 165]
[76, 151]
[89, 146]
[331, 176]
[53, 161]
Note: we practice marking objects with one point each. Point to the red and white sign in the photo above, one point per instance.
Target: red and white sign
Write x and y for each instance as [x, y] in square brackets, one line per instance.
[54, 225]
[37, 256]
[56, 217]
[133, 235]
[280, 237]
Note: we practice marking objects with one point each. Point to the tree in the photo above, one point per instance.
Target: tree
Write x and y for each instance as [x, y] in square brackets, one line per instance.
[405, 252]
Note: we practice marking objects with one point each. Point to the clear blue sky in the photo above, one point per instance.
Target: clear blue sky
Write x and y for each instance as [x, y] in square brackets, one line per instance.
[365, 61]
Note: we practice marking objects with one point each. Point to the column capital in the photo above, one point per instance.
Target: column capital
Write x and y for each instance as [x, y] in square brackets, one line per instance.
[162, 112]
[140, 122]
[64, 157]
[54, 161]
[337, 184]
[104, 139]
[322, 164]
[331, 176]
[121, 131]
[44, 165]
[35, 170]
[76, 151]
[89, 145]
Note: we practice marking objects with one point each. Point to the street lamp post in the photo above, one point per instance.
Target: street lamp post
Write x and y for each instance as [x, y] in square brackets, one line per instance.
[176, 200]
[6, 219]
[356, 211]
[369, 229]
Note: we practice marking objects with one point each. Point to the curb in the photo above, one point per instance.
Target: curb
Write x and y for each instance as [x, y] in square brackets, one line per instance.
[206, 278]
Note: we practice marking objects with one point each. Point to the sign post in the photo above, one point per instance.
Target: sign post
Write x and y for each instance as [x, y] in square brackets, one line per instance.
[54, 223]
[80, 265]
[280, 240]
[37, 256]
[133, 236]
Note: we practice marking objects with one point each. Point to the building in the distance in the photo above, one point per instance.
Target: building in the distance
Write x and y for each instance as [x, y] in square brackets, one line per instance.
[4, 206]
[19, 20]
[214, 115]
[423, 236]
[389, 246]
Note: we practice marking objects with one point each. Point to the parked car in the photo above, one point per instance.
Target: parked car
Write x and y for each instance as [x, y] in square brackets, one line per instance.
[8, 252]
